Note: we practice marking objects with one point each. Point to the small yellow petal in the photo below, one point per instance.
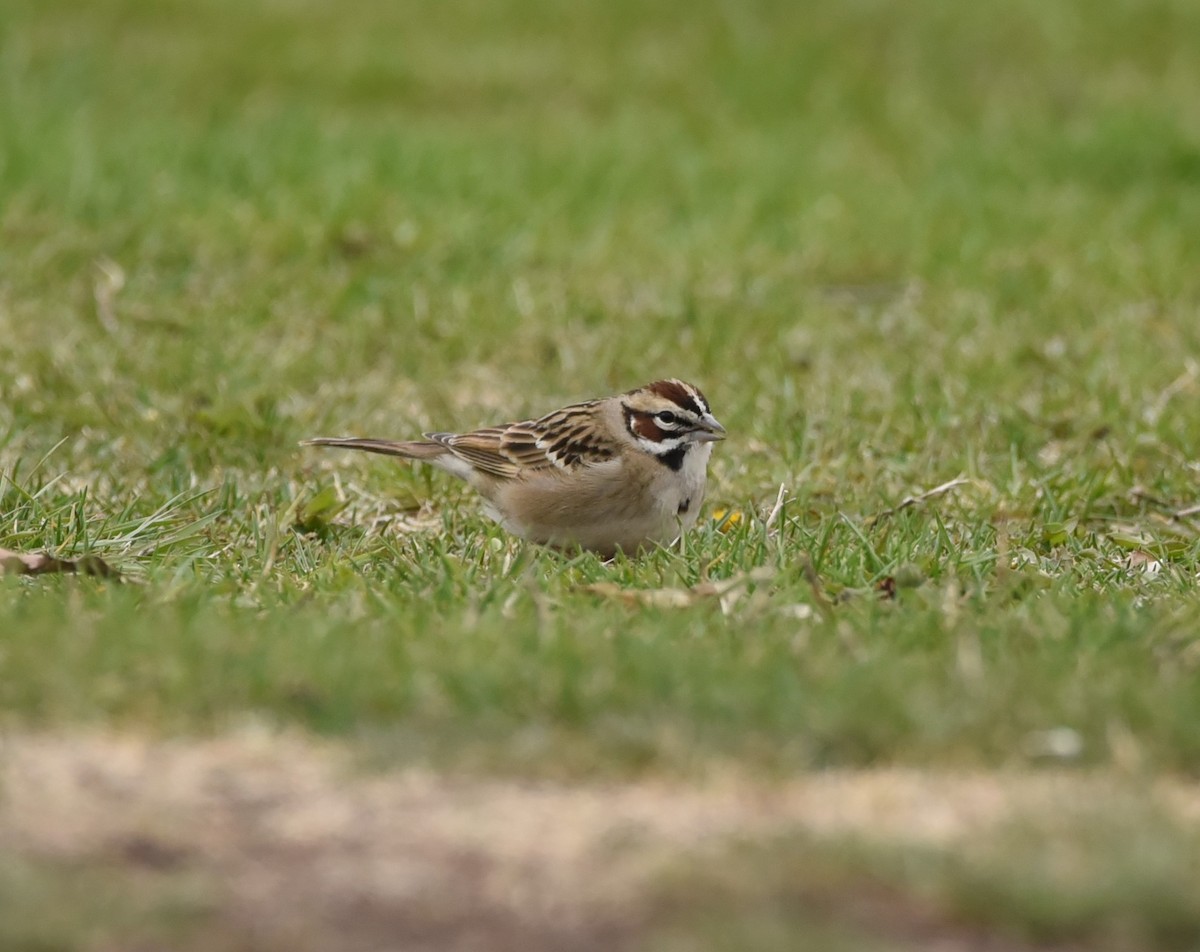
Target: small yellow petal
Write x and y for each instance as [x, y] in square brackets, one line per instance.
[726, 519]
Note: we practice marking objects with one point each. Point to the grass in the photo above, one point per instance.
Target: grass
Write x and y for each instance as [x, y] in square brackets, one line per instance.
[61, 906]
[895, 244]
[1111, 875]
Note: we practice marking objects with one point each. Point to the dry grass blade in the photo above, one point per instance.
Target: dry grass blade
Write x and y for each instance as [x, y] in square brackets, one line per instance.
[110, 279]
[653, 597]
[777, 508]
[1139, 494]
[916, 498]
[1180, 384]
[41, 563]
[820, 599]
[725, 591]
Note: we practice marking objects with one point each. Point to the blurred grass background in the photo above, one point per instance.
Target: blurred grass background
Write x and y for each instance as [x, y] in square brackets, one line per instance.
[895, 244]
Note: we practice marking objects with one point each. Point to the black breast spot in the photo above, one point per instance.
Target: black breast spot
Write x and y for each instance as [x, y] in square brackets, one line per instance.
[673, 459]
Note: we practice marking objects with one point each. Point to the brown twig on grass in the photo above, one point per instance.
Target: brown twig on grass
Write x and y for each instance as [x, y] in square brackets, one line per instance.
[824, 605]
[909, 501]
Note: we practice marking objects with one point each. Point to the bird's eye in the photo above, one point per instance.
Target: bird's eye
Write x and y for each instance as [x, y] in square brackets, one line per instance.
[666, 418]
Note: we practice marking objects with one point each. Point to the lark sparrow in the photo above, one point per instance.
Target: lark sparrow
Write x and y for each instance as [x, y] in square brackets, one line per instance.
[621, 472]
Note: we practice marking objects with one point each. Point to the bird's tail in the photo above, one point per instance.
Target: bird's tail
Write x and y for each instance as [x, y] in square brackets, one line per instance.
[410, 449]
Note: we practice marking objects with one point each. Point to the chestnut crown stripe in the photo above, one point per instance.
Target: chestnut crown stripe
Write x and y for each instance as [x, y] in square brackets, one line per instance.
[680, 394]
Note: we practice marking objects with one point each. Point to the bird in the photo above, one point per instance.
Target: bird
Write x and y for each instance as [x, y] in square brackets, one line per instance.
[621, 473]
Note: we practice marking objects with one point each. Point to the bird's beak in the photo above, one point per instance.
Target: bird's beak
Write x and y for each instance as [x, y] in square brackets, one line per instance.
[712, 432]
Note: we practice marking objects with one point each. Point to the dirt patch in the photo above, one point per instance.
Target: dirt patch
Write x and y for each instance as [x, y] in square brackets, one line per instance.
[302, 850]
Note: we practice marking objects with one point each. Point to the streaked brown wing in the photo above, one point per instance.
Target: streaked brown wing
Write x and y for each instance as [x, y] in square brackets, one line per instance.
[482, 449]
[520, 444]
[563, 439]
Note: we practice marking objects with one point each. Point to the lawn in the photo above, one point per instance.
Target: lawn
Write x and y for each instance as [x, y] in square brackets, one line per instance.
[935, 268]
